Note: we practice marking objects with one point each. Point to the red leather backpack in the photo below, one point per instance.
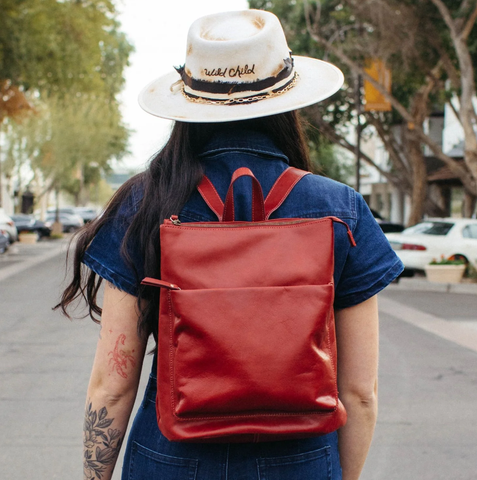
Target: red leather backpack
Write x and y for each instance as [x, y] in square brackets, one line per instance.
[247, 346]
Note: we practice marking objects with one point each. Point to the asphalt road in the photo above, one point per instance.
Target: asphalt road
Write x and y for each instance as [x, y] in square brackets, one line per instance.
[428, 383]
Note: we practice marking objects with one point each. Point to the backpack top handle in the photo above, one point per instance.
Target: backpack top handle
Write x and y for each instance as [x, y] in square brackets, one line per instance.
[258, 206]
[261, 209]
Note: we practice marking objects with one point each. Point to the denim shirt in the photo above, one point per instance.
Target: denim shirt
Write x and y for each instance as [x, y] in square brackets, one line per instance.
[360, 272]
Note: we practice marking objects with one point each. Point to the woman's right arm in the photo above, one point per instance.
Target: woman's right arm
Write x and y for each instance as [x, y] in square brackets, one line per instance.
[357, 340]
[113, 383]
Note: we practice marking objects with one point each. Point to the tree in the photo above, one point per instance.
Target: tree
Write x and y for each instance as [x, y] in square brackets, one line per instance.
[66, 57]
[66, 145]
[53, 46]
[428, 46]
[83, 136]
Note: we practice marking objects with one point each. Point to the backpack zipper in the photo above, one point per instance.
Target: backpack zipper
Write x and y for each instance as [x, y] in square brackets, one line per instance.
[154, 282]
[174, 220]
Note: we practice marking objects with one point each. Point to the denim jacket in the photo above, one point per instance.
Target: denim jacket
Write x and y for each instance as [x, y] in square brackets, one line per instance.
[360, 272]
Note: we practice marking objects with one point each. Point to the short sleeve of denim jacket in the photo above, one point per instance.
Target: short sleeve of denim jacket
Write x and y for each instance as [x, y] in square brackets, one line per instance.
[104, 257]
[370, 266]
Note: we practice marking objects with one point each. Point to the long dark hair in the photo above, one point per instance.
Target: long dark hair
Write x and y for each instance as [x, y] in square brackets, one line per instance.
[173, 174]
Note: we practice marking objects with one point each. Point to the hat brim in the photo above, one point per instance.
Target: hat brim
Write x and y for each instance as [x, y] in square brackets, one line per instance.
[317, 81]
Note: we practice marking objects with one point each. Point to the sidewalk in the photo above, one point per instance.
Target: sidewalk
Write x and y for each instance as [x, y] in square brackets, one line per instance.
[421, 284]
[21, 256]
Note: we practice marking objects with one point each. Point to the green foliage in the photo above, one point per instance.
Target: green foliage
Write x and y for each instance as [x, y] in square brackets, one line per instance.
[68, 143]
[99, 193]
[84, 135]
[448, 261]
[68, 57]
[62, 46]
[415, 43]
[410, 36]
[336, 111]
[330, 162]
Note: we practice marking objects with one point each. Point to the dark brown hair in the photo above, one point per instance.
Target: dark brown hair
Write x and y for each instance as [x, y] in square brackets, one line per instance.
[173, 174]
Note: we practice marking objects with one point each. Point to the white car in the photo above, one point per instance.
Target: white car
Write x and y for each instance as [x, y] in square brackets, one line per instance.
[434, 238]
[8, 226]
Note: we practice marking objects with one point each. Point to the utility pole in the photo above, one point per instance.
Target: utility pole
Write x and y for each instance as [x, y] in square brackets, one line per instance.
[358, 84]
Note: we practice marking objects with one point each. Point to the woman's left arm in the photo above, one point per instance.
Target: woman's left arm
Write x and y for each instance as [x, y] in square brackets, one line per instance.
[113, 384]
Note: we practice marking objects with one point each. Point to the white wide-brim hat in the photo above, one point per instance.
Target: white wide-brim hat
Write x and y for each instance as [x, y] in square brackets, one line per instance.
[238, 66]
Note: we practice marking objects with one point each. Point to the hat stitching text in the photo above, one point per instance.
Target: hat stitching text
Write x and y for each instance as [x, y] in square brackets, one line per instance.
[231, 72]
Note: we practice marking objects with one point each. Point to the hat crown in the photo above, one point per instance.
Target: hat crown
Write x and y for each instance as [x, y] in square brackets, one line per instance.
[238, 66]
[244, 46]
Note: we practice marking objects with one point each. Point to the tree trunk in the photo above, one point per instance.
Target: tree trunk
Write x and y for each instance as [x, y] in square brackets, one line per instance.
[468, 206]
[1, 172]
[438, 201]
[470, 158]
[419, 183]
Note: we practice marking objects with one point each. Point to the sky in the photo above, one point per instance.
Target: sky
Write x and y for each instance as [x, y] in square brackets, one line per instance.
[158, 31]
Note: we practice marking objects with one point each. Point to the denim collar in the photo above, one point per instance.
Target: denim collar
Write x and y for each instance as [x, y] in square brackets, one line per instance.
[242, 140]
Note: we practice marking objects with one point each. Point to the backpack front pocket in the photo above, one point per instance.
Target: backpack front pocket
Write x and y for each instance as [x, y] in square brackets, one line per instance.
[252, 351]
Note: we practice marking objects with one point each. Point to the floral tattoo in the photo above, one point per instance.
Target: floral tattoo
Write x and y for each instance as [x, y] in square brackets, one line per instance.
[101, 443]
[119, 358]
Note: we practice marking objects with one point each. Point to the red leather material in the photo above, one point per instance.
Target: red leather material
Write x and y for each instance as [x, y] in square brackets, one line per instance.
[154, 282]
[211, 197]
[247, 346]
[277, 195]
[258, 212]
[252, 256]
[282, 187]
[222, 331]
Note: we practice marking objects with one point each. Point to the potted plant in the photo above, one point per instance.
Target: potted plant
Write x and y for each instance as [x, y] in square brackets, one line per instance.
[446, 270]
[28, 237]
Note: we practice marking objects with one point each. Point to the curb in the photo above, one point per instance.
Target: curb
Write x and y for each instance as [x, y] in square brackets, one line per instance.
[423, 285]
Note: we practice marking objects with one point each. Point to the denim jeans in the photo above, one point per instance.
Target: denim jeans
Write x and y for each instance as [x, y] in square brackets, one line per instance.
[150, 456]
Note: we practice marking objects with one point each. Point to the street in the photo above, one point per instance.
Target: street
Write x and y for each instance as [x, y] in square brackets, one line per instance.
[428, 380]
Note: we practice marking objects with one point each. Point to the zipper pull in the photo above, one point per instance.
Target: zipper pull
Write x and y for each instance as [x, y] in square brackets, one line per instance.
[175, 220]
[154, 282]
[350, 235]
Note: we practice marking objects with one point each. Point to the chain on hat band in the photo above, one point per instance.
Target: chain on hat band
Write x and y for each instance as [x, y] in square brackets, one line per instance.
[242, 100]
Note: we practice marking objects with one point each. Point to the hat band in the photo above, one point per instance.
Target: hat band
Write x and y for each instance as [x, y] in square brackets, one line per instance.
[241, 100]
[235, 88]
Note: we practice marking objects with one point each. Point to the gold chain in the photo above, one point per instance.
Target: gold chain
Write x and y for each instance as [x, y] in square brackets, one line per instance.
[238, 101]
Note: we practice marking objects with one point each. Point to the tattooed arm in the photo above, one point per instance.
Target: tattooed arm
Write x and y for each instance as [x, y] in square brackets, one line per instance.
[113, 384]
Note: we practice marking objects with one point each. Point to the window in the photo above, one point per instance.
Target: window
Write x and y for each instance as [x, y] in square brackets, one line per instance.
[470, 231]
[429, 228]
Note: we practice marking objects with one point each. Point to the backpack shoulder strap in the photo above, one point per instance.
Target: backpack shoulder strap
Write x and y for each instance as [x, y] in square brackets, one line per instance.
[211, 197]
[282, 188]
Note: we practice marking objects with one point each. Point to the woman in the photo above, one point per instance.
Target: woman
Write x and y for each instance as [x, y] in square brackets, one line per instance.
[234, 104]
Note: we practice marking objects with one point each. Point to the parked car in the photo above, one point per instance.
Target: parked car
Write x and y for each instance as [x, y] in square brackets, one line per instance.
[28, 223]
[67, 210]
[8, 226]
[70, 222]
[433, 238]
[86, 213]
[387, 227]
[3, 241]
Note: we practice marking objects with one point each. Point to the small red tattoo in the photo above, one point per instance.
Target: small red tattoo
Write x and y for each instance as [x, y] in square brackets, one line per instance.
[119, 358]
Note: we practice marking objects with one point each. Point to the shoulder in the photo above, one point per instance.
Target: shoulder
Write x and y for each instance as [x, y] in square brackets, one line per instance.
[318, 196]
[127, 200]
